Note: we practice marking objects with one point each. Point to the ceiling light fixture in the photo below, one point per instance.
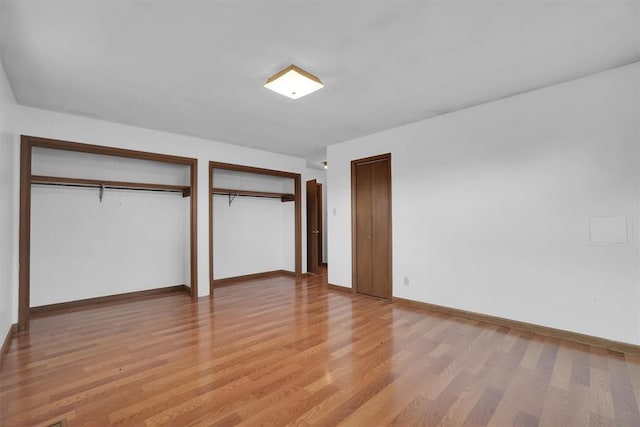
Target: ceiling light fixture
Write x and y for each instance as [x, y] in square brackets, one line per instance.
[293, 82]
[325, 165]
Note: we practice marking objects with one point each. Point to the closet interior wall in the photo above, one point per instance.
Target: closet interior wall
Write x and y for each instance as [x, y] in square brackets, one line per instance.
[88, 242]
[254, 222]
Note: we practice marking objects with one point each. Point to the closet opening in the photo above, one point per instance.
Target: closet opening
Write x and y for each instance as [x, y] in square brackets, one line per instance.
[102, 224]
[254, 223]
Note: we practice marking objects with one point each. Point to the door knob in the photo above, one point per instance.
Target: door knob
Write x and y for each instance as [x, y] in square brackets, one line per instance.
[316, 232]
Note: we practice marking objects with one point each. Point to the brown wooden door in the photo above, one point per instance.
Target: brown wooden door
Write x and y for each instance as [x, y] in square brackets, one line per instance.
[320, 224]
[313, 230]
[371, 199]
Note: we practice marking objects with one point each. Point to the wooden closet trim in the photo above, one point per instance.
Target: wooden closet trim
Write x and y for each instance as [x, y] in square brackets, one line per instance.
[354, 275]
[26, 146]
[297, 179]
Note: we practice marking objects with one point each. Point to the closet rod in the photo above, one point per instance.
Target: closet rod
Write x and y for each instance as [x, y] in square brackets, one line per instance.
[119, 185]
[285, 197]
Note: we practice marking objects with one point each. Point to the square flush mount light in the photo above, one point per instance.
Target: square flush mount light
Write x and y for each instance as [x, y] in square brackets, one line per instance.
[293, 82]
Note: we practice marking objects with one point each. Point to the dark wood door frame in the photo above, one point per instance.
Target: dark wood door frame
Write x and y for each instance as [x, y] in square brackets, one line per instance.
[354, 207]
[26, 178]
[313, 227]
[320, 225]
[261, 171]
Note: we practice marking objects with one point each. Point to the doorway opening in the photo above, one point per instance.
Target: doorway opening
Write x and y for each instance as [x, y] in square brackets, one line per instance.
[315, 231]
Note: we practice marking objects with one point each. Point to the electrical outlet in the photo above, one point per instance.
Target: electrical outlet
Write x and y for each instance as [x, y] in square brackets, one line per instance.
[406, 280]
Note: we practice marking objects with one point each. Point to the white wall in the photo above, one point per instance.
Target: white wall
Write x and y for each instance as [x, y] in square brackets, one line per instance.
[36, 122]
[492, 206]
[8, 208]
[252, 235]
[82, 248]
[47, 161]
[248, 236]
[288, 236]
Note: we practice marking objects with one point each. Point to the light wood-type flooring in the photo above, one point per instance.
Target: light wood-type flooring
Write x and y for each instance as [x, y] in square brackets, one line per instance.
[279, 351]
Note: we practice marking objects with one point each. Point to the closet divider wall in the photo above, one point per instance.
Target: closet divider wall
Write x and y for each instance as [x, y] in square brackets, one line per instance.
[102, 222]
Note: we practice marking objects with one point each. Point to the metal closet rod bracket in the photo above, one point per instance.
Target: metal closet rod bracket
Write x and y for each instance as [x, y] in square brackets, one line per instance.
[101, 192]
[232, 197]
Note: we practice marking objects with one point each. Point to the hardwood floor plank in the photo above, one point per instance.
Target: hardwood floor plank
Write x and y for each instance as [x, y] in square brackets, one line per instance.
[286, 351]
[484, 408]
[433, 414]
[600, 397]
[525, 420]
[412, 377]
[410, 412]
[624, 401]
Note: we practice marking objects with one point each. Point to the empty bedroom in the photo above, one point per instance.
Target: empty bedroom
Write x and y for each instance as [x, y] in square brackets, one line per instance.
[320, 213]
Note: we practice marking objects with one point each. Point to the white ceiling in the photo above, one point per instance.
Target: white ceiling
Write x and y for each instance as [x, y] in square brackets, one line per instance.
[197, 67]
